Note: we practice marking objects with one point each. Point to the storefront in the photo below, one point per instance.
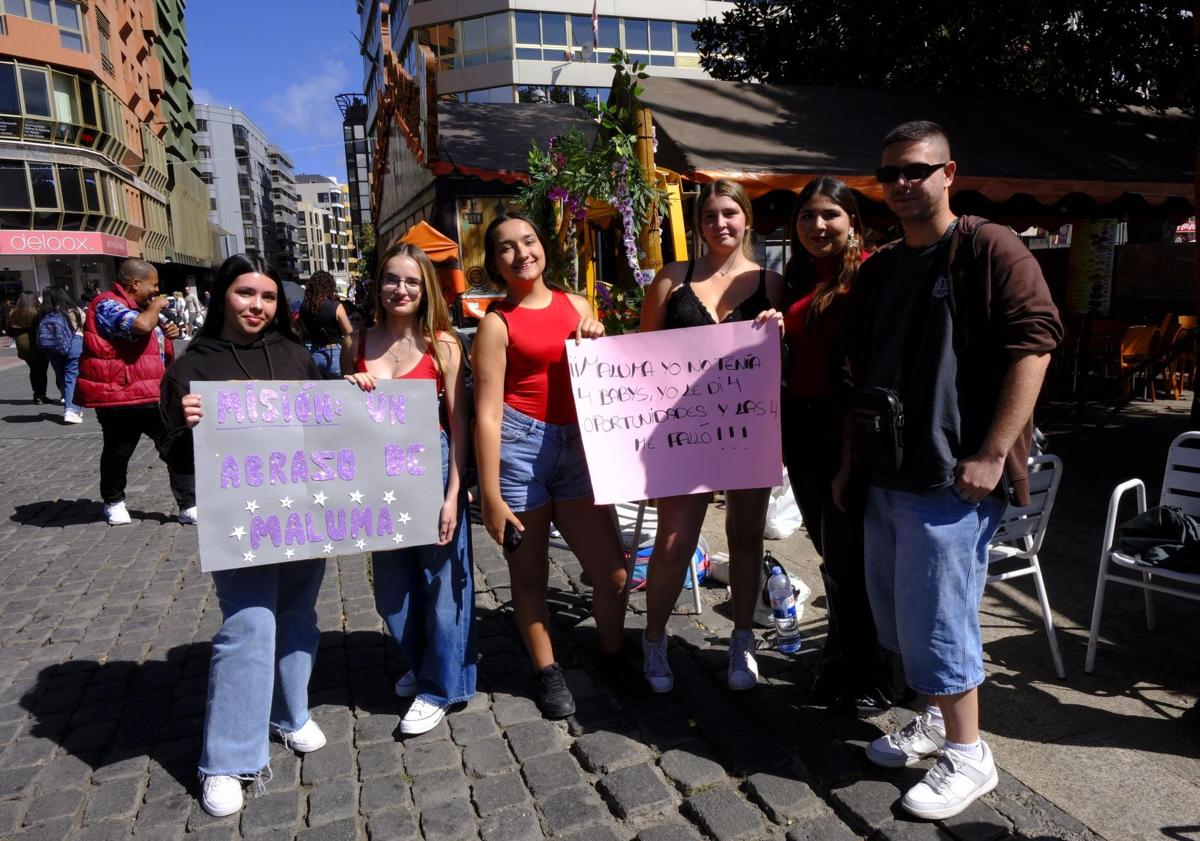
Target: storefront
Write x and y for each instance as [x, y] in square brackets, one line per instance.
[33, 260]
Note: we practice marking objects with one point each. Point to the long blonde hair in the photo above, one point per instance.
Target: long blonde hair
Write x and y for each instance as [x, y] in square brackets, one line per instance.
[433, 316]
[732, 190]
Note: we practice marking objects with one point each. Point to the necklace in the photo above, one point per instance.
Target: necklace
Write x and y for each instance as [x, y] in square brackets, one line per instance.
[403, 341]
[729, 265]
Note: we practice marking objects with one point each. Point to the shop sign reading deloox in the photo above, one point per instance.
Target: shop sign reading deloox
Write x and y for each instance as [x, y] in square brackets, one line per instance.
[59, 243]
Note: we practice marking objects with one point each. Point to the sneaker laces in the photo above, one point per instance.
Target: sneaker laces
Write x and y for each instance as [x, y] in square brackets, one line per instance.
[917, 728]
[421, 708]
[938, 777]
[553, 679]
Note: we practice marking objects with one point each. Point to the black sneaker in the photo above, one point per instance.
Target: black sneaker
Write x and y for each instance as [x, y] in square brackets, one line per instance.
[553, 697]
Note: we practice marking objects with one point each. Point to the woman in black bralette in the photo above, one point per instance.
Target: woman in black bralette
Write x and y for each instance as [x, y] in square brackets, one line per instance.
[723, 285]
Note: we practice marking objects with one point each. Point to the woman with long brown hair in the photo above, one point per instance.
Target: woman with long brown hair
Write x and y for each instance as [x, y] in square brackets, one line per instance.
[424, 593]
[326, 326]
[22, 326]
[827, 234]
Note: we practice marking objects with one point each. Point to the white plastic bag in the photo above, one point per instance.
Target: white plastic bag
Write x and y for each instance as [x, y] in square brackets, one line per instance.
[783, 514]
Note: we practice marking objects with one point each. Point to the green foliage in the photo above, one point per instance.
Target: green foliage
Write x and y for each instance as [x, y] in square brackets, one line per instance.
[1094, 52]
[367, 249]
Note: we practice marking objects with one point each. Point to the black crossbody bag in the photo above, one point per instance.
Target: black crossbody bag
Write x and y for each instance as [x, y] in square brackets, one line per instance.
[877, 429]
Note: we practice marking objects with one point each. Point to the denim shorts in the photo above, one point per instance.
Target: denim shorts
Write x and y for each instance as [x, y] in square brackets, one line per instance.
[540, 462]
[926, 567]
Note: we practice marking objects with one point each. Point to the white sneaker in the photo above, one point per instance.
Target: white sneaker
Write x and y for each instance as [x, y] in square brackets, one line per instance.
[953, 783]
[918, 739]
[307, 739]
[117, 514]
[72, 417]
[422, 716]
[743, 668]
[406, 686]
[221, 795]
[187, 516]
[655, 666]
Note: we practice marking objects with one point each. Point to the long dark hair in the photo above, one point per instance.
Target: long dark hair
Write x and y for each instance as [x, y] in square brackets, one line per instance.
[489, 246]
[800, 274]
[319, 288]
[57, 299]
[24, 311]
[231, 270]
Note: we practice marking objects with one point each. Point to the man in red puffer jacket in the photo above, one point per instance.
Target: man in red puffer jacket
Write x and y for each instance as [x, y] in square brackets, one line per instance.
[125, 354]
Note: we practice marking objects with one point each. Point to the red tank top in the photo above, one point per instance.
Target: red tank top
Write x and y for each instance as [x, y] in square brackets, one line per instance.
[537, 379]
[426, 369]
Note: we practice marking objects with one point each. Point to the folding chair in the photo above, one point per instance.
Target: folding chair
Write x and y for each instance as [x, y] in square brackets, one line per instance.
[1181, 487]
[638, 525]
[1020, 535]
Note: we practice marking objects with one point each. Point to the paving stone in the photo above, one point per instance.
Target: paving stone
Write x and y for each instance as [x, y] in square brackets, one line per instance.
[16, 781]
[330, 763]
[635, 791]
[332, 801]
[116, 766]
[53, 830]
[118, 798]
[689, 770]
[345, 829]
[978, 822]
[111, 830]
[435, 756]
[911, 830]
[668, 832]
[594, 833]
[723, 815]
[163, 816]
[783, 799]
[866, 805]
[10, 816]
[467, 728]
[821, 828]
[482, 759]
[378, 759]
[491, 794]
[534, 738]
[572, 808]
[450, 821]
[398, 825]
[551, 772]
[276, 810]
[516, 823]
[438, 787]
[54, 804]
[510, 711]
[382, 794]
[604, 752]
[375, 728]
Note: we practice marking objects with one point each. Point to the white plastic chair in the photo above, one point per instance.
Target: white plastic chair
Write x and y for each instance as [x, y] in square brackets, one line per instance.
[1020, 535]
[1181, 487]
[638, 526]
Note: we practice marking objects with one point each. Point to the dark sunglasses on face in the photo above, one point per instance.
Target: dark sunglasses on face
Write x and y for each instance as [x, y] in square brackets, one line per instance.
[911, 172]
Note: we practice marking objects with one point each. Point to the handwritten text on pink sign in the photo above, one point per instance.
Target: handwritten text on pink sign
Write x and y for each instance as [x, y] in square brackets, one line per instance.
[679, 411]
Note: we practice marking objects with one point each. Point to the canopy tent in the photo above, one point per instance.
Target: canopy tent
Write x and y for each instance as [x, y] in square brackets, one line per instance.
[443, 251]
[770, 137]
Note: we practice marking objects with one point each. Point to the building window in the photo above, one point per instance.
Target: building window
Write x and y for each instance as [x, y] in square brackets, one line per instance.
[201, 125]
[204, 152]
[65, 14]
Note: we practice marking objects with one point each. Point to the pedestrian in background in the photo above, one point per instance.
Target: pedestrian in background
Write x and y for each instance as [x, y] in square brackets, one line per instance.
[264, 650]
[126, 348]
[22, 326]
[326, 326]
[60, 339]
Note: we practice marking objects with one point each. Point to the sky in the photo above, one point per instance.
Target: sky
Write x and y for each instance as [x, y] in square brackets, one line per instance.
[281, 62]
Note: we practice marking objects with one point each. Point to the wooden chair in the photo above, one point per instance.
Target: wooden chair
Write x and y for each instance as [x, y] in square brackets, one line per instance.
[1019, 538]
[1187, 359]
[1181, 486]
[1137, 343]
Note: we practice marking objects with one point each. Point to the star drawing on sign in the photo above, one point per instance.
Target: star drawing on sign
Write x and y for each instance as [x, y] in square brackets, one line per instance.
[390, 496]
[404, 518]
[252, 506]
[398, 539]
[238, 532]
[360, 543]
[355, 497]
[286, 502]
[319, 498]
[327, 548]
[247, 556]
[290, 553]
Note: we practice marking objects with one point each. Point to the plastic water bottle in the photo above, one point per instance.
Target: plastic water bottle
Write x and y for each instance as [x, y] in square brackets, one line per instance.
[783, 610]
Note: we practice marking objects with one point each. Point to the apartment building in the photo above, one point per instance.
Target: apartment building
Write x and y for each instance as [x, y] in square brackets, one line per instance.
[328, 242]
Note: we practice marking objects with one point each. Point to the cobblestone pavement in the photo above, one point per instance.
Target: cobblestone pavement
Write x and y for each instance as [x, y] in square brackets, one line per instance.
[105, 635]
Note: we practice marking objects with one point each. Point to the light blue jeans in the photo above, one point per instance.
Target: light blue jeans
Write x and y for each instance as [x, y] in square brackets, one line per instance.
[926, 567]
[261, 660]
[425, 595]
[66, 372]
[328, 360]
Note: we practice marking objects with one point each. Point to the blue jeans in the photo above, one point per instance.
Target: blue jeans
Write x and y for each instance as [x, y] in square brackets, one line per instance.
[540, 462]
[328, 359]
[425, 595]
[261, 660]
[66, 372]
[926, 567]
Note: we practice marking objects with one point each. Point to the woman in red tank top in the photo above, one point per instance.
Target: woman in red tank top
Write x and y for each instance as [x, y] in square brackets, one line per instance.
[424, 593]
[532, 468]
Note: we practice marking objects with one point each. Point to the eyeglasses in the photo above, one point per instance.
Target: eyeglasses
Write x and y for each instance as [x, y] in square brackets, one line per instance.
[393, 282]
[911, 172]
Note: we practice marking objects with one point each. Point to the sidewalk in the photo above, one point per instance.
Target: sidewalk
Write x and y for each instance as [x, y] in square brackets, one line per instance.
[104, 637]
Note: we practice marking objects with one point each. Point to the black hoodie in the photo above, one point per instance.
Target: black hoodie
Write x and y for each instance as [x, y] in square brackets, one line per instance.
[271, 357]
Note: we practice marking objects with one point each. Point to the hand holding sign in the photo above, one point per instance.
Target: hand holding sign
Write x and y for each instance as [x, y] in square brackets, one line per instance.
[679, 411]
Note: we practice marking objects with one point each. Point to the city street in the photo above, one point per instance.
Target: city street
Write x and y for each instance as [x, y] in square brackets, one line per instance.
[104, 636]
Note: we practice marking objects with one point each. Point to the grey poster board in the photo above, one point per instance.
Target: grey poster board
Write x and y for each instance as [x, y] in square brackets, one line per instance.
[291, 470]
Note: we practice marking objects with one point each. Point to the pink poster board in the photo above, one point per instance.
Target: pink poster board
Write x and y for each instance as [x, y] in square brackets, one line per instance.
[679, 411]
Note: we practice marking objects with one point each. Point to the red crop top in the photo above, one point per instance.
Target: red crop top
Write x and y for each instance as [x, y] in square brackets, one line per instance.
[537, 379]
[425, 369]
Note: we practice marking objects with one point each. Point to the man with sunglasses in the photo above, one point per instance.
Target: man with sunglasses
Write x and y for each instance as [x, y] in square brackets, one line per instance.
[954, 326]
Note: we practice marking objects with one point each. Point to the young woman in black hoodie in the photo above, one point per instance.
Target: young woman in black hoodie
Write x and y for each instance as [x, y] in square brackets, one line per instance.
[263, 653]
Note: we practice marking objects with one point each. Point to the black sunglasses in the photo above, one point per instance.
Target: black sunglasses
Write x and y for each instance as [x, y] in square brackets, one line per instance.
[911, 172]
